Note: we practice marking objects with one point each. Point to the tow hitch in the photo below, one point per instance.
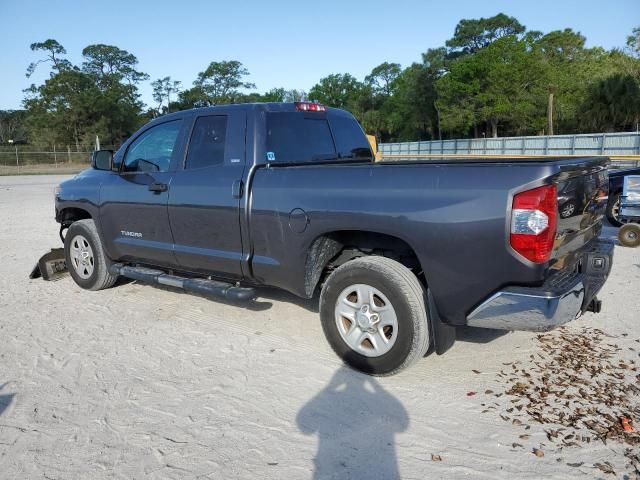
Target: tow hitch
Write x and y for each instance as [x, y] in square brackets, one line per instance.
[595, 305]
[51, 266]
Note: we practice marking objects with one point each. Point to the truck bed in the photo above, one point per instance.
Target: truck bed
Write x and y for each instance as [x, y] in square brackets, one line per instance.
[453, 213]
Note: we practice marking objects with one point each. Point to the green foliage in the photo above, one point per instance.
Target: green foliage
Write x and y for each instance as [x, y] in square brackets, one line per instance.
[220, 82]
[504, 86]
[613, 104]
[13, 126]
[162, 90]
[473, 35]
[336, 90]
[503, 83]
[382, 78]
[77, 103]
[492, 77]
[53, 50]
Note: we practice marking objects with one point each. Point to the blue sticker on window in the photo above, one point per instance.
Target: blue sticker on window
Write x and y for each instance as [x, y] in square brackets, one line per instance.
[271, 156]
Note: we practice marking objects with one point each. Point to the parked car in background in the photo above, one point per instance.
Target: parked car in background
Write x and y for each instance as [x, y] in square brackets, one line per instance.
[616, 180]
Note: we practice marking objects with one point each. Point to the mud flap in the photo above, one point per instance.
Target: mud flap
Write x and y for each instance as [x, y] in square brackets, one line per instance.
[51, 266]
[444, 336]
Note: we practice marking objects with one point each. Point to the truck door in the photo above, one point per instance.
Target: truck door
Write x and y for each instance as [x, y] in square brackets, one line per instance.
[133, 203]
[204, 205]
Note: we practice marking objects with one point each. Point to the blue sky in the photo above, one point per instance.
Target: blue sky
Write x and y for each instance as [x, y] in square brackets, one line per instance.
[290, 44]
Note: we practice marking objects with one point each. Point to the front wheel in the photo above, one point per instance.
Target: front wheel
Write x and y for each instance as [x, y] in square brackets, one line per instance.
[85, 257]
[629, 235]
[373, 313]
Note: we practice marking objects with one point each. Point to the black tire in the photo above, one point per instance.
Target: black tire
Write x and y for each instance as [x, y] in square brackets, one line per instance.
[408, 299]
[96, 275]
[629, 235]
[613, 209]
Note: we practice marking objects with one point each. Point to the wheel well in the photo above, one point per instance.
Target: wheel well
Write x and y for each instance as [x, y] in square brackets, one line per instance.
[72, 214]
[336, 248]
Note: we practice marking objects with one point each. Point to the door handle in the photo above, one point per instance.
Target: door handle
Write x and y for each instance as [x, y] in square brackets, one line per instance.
[236, 189]
[158, 187]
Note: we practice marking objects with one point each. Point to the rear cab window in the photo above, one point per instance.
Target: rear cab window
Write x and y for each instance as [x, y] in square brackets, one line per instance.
[300, 137]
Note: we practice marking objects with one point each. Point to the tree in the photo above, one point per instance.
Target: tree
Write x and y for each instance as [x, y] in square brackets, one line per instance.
[219, 83]
[613, 104]
[75, 104]
[473, 35]
[336, 90]
[562, 46]
[415, 114]
[13, 126]
[109, 64]
[60, 110]
[504, 84]
[53, 50]
[383, 77]
[162, 90]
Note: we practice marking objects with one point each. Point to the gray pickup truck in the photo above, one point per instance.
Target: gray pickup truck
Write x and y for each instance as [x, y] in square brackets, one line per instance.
[225, 199]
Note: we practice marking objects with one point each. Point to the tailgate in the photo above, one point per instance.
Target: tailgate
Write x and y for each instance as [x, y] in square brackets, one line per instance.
[582, 199]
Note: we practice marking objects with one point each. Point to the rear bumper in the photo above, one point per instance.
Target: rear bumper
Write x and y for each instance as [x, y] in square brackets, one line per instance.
[562, 298]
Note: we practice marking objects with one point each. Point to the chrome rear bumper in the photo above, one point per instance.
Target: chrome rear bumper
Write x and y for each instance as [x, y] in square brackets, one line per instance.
[560, 300]
[509, 310]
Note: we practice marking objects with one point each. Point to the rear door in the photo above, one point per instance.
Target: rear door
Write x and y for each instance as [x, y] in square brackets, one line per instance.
[204, 204]
[133, 211]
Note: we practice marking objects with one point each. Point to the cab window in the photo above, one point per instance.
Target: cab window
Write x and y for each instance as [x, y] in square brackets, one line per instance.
[206, 147]
[294, 137]
[152, 151]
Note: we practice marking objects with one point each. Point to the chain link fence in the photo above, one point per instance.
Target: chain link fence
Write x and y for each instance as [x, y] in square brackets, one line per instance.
[21, 159]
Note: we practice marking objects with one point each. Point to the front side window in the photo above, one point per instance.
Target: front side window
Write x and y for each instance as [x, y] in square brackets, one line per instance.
[294, 137]
[206, 147]
[152, 151]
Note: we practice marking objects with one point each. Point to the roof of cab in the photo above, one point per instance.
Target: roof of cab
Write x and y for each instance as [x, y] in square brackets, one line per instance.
[268, 107]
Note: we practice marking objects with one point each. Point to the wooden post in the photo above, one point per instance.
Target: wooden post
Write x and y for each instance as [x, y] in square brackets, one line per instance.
[17, 160]
[55, 155]
[69, 153]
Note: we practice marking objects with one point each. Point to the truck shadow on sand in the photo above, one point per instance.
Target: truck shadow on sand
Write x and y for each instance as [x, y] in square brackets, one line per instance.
[5, 400]
[356, 421]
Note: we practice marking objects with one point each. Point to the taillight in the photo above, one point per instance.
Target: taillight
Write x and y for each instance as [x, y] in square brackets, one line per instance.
[534, 222]
[309, 107]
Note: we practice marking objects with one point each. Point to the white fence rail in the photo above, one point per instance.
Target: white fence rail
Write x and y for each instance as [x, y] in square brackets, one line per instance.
[612, 144]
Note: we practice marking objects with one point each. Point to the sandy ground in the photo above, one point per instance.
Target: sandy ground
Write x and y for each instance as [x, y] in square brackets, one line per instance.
[145, 382]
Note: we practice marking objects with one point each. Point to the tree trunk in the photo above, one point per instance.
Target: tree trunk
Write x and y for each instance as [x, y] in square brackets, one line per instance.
[550, 112]
[494, 128]
[75, 137]
[438, 118]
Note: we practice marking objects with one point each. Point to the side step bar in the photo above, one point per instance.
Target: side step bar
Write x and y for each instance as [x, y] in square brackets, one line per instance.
[203, 286]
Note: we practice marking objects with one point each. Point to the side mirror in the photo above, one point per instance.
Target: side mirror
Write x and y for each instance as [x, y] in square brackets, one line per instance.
[102, 159]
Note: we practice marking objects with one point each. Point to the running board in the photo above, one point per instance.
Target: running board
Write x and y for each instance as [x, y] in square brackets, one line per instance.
[203, 286]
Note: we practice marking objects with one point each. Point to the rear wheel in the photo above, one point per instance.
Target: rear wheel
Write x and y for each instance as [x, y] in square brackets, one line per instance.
[374, 316]
[629, 235]
[85, 257]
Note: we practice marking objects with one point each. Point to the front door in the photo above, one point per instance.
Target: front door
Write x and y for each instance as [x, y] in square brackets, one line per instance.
[133, 211]
[204, 203]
